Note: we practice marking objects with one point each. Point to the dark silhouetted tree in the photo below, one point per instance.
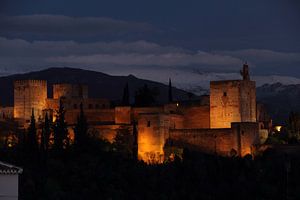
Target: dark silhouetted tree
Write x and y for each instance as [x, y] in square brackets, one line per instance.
[145, 96]
[135, 141]
[81, 130]
[125, 99]
[60, 130]
[293, 126]
[170, 91]
[45, 137]
[123, 142]
[32, 143]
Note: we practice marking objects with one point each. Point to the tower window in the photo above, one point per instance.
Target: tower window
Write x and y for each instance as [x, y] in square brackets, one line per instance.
[148, 124]
[225, 94]
[75, 106]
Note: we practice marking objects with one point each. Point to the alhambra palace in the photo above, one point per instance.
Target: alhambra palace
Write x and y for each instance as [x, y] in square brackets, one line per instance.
[228, 121]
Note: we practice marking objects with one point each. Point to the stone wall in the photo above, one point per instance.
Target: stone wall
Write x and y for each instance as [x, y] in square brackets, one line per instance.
[247, 134]
[70, 91]
[248, 101]
[123, 115]
[74, 103]
[232, 101]
[196, 117]
[228, 141]
[144, 110]
[101, 116]
[150, 138]
[28, 95]
[153, 129]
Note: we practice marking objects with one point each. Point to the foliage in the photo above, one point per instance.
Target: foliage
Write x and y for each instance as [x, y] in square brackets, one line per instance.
[32, 135]
[146, 96]
[170, 91]
[81, 130]
[293, 127]
[105, 171]
[96, 173]
[123, 142]
[60, 130]
[126, 96]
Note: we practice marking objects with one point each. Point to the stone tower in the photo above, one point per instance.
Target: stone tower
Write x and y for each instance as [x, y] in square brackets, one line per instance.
[232, 101]
[28, 95]
[70, 91]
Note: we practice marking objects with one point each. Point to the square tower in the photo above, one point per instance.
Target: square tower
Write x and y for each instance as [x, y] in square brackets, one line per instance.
[232, 101]
[28, 95]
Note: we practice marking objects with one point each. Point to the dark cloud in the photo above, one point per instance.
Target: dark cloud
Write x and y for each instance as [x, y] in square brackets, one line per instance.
[45, 26]
[22, 55]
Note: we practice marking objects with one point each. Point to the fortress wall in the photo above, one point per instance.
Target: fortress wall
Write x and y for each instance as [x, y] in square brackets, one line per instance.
[247, 136]
[224, 103]
[151, 137]
[123, 115]
[211, 141]
[88, 104]
[248, 101]
[103, 115]
[29, 94]
[70, 91]
[142, 110]
[240, 138]
[176, 121]
[196, 117]
[171, 108]
[153, 129]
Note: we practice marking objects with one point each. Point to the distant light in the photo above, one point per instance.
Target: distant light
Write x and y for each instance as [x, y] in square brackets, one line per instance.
[177, 104]
[10, 145]
[278, 128]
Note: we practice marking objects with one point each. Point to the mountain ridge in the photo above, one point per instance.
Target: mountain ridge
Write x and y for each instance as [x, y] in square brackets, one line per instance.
[100, 85]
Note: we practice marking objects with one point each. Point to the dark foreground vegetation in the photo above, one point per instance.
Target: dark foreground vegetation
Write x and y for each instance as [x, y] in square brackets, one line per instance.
[100, 172]
[91, 168]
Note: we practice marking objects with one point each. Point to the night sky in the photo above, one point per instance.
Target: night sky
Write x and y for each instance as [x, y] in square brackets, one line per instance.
[127, 36]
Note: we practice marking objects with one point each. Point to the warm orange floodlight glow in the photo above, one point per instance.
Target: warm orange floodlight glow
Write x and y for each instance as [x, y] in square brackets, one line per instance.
[278, 128]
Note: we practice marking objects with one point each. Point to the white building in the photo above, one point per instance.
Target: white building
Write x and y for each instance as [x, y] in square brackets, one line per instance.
[9, 181]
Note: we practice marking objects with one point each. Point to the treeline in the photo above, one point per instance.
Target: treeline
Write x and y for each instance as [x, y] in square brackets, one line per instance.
[288, 134]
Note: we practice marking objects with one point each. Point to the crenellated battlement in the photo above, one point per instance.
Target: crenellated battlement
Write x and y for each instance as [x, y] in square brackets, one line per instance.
[70, 90]
[30, 82]
[28, 95]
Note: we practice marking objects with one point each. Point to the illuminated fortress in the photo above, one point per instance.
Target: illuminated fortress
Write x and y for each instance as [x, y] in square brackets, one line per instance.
[226, 122]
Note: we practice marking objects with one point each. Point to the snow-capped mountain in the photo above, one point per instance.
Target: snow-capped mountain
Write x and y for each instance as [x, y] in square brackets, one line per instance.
[198, 82]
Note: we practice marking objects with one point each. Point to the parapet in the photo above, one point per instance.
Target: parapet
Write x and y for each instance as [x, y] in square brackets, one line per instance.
[70, 91]
[30, 82]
